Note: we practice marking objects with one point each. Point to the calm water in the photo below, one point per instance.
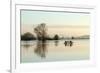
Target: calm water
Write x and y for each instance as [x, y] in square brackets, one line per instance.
[37, 51]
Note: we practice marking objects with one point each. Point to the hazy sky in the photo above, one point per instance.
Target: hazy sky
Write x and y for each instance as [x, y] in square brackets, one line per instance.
[54, 18]
[62, 23]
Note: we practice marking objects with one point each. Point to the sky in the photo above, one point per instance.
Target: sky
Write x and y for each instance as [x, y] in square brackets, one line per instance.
[61, 23]
[54, 18]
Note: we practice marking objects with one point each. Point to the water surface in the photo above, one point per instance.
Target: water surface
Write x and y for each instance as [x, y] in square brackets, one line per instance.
[38, 51]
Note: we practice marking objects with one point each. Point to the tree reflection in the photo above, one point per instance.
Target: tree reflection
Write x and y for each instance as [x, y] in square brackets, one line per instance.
[26, 45]
[41, 49]
[56, 42]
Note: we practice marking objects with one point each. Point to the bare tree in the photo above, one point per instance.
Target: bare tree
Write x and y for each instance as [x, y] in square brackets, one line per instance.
[40, 31]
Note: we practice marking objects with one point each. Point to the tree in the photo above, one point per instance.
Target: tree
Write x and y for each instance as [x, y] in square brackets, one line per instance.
[72, 37]
[56, 37]
[40, 31]
[27, 36]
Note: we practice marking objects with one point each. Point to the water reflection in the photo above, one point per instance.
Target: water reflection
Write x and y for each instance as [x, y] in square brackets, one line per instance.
[41, 49]
[51, 50]
[68, 43]
[27, 45]
[56, 42]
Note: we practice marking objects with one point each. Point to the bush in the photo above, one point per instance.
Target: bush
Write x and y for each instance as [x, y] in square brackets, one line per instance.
[56, 37]
[27, 36]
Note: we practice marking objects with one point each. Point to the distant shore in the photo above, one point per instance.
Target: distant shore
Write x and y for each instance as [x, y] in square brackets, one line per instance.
[28, 37]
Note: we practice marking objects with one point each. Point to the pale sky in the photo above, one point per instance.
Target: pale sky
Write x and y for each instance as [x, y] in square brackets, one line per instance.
[62, 23]
[54, 18]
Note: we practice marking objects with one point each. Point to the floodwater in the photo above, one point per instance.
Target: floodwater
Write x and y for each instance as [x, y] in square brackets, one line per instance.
[38, 51]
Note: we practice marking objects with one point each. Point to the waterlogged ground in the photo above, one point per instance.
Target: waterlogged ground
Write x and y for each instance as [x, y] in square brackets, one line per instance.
[37, 51]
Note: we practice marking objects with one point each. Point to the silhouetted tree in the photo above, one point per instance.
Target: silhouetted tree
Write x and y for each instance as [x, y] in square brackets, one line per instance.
[72, 37]
[27, 36]
[40, 31]
[56, 37]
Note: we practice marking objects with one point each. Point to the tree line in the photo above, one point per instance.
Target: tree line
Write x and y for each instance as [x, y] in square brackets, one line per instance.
[41, 34]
